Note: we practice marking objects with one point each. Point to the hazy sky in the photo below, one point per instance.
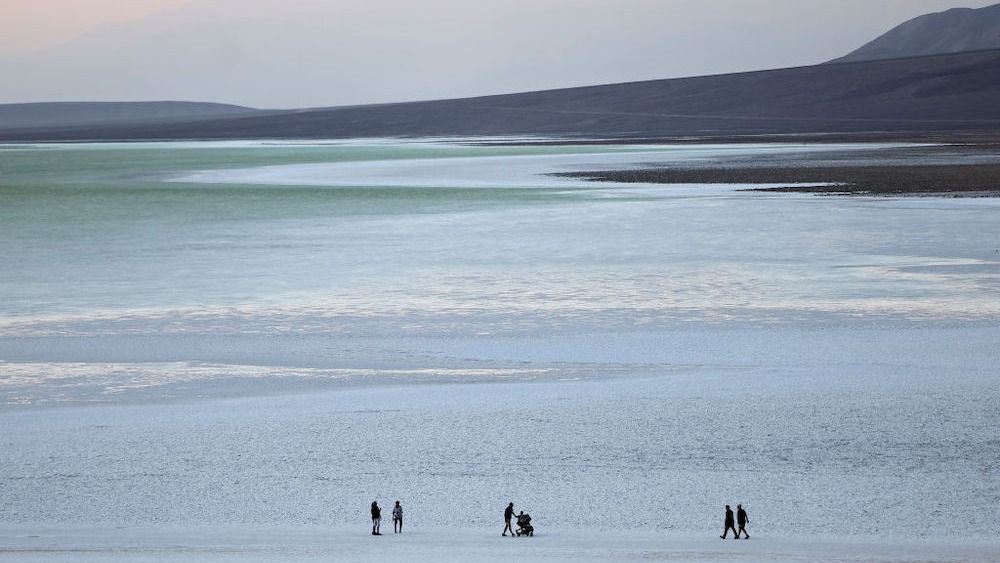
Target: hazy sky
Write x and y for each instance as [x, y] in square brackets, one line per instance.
[27, 25]
[294, 53]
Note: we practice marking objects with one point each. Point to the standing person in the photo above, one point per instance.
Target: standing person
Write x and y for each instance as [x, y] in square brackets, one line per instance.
[376, 518]
[508, 513]
[741, 519]
[397, 518]
[730, 525]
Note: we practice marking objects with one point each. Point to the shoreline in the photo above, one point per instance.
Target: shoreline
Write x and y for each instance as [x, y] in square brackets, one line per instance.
[990, 139]
[970, 180]
[965, 170]
[970, 139]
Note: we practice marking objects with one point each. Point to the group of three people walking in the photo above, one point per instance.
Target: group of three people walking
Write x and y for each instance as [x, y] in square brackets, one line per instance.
[397, 518]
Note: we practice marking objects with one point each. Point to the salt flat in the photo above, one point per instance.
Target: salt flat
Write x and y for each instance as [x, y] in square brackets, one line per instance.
[808, 452]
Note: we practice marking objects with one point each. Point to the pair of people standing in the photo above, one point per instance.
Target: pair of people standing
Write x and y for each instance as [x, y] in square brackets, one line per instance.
[397, 518]
[741, 518]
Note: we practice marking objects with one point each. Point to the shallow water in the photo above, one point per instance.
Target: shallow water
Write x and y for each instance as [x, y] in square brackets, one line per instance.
[831, 361]
[90, 232]
[213, 252]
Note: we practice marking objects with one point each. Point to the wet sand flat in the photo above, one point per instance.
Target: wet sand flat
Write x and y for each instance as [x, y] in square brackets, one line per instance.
[952, 171]
[315, 543]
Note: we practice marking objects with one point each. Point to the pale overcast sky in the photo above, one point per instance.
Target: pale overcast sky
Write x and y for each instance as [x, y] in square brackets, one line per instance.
[298, 53]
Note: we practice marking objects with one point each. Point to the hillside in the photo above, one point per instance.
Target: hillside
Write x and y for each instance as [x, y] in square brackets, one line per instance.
[952, 31]
[73, 114]
[958, 92]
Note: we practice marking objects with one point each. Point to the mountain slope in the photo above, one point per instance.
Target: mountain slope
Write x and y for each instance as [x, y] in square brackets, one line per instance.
[71, 114]
[315, 53]
[952, 31]
[958, 92]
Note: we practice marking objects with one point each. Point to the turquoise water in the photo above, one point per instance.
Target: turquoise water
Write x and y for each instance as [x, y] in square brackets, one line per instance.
[94, 232]
[438, 259]
[88, 229]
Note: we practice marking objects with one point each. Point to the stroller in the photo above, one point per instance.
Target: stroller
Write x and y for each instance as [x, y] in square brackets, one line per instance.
[524, 527]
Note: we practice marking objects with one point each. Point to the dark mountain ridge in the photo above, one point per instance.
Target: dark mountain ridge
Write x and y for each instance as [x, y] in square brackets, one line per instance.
[952, 31]
[71, 114]
[953, 92]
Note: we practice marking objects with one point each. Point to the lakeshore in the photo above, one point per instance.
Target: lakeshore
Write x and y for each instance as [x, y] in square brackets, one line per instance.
[306, 544]
[966, 170]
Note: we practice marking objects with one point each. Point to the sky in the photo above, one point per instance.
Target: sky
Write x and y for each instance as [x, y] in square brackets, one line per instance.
[28, 25]
[309, 53]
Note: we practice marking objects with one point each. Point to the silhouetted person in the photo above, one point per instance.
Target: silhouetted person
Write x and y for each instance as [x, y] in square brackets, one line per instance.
[730, 525]
[376, 518]
[508, 513]
[741, 519]
[397, 518]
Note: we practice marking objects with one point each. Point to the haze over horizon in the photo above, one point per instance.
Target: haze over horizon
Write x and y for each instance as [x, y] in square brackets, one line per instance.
[264, 53]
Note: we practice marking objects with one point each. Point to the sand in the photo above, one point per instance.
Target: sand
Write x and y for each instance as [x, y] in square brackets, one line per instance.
[441, 545]
[945, 170]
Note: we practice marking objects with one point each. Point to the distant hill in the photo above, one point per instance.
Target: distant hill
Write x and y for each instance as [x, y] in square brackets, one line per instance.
[74, 114]
[952, 31]
[957, 92]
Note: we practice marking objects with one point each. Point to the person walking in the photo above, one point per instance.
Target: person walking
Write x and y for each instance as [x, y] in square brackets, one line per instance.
[741, 519]
[730, 524]
[397, 518]
[508, 513]
[376, 518]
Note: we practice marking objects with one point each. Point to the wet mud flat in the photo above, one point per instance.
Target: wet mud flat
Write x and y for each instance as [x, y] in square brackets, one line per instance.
[943, 171]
